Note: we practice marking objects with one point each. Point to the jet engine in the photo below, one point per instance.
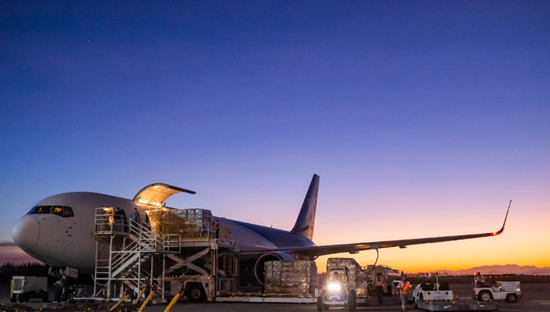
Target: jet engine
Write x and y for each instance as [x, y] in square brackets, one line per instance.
[272, 256]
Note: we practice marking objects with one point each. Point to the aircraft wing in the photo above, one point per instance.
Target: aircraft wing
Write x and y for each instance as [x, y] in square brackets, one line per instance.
[315, 251]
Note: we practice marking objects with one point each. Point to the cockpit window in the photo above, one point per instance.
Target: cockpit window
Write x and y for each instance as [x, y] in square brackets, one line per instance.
[56, 210]
[68, 212]
[61, 211]
[40, 210]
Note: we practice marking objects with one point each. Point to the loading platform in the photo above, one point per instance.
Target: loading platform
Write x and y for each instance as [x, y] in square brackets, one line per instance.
[135, 258]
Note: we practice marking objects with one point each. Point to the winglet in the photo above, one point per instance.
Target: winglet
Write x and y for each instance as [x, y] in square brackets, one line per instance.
[306, 219]
[505, 218]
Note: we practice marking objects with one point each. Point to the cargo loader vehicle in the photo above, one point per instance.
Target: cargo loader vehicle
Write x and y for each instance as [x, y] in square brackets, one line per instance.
[345, 285]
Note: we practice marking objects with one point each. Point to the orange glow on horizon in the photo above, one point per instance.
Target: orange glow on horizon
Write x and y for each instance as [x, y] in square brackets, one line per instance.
[523, 243]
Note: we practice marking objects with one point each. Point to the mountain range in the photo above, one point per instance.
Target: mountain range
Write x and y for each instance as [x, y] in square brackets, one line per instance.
[501, 269]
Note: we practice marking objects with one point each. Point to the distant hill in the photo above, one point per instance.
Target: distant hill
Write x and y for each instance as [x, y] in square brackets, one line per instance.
[501, 269]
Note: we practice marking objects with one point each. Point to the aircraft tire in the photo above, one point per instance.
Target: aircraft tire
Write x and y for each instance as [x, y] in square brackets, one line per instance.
[57, 294]
[70, 298]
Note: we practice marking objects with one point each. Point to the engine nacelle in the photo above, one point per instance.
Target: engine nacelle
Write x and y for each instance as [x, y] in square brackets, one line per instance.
[272, 256]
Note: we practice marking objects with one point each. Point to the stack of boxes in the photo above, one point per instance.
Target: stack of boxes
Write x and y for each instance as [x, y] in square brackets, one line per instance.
[185, 222]
[294, 277]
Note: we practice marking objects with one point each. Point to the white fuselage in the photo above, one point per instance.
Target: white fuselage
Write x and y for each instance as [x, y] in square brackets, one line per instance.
[60, 240]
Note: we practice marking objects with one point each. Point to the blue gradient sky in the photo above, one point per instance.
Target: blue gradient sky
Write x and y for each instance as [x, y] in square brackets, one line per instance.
[422, 118]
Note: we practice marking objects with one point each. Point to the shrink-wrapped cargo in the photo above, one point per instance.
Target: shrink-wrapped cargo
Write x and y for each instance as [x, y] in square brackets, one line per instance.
[184, 222]
[293, 277]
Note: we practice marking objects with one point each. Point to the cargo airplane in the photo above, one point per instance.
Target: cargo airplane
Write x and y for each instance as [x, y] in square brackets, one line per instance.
[59, 230]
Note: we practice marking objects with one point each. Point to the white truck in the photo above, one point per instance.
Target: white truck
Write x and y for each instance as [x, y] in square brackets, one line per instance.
[439, 297]
[345, 285]
[22, 288]
[500, 290]
[432, 297]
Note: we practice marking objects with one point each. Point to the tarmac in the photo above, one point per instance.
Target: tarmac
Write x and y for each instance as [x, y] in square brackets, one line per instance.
[535, 297]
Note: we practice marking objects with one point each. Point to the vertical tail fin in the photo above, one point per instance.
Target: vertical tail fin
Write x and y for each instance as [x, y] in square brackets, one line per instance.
[306, 219]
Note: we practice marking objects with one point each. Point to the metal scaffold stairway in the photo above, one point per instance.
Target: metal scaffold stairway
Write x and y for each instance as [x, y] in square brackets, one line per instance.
[122, 252]
[134, 256]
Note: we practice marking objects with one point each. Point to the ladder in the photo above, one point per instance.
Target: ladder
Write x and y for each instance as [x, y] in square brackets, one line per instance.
[122, 255]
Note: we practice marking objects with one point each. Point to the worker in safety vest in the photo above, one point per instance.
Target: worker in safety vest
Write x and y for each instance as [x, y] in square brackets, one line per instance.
[379, 286]
[403, 287]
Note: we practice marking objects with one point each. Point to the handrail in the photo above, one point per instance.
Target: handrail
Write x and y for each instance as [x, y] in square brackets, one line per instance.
[145, 240]
[140, 241]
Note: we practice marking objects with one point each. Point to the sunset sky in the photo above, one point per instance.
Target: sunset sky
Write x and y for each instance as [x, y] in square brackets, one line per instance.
[423, 118]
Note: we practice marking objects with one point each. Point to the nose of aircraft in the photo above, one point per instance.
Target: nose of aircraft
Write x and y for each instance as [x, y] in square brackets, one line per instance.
[25, 232]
